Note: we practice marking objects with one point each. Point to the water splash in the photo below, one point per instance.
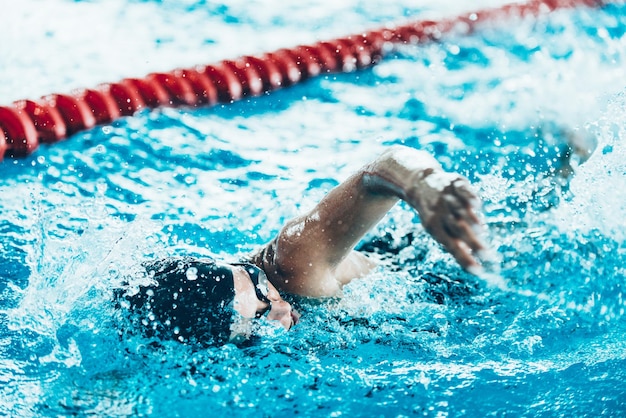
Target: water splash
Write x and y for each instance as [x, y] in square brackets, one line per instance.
[599, 187]
[81, 255]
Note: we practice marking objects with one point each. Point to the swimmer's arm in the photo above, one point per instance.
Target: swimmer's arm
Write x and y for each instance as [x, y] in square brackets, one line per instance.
[313, 254]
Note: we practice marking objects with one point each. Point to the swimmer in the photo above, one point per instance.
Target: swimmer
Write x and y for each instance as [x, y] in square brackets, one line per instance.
[197, 300]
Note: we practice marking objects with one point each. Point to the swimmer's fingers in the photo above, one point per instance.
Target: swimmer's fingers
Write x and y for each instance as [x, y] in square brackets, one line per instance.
[463, 208]
[458, 248]
[462, 200]
[462, 254]
[459, 230]
[469, 233]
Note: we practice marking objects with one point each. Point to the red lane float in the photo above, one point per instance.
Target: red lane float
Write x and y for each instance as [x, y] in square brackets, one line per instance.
[286, 65]
[75, 113]
[47, 120]
[20, 135]
[102, 105]
[152, 92]
[177, 88]
[3, 144]
[203, 89]
[27, 123]
[269, 74]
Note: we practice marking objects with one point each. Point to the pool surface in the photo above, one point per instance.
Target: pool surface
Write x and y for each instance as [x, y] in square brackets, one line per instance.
[419, 337]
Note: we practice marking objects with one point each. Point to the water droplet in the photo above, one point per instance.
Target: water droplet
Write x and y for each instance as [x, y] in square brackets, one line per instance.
[192, 273]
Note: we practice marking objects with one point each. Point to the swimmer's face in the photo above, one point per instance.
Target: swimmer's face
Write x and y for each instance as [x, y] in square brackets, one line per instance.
[248, 305]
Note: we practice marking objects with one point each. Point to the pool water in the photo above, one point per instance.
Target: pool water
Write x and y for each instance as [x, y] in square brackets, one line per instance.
[419, 337]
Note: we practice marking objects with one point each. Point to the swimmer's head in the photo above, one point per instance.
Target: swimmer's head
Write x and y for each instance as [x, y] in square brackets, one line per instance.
[191, 300]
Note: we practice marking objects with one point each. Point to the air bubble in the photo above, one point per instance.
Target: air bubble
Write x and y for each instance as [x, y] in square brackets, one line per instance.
[192, 273]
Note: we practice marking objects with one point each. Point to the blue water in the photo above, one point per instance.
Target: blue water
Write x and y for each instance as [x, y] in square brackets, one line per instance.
[419, 337]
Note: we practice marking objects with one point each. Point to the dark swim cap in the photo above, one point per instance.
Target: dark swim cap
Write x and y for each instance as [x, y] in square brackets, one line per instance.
[190, 301]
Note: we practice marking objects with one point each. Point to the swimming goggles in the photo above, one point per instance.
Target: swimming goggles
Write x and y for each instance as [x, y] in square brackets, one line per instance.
[260, 282]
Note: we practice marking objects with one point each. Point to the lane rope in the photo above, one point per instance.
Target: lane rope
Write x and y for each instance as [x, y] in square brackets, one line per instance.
[26, 123]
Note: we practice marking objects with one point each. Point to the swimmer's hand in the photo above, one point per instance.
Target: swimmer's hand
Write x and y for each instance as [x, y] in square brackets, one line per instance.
[449, 211]
[448, 208]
